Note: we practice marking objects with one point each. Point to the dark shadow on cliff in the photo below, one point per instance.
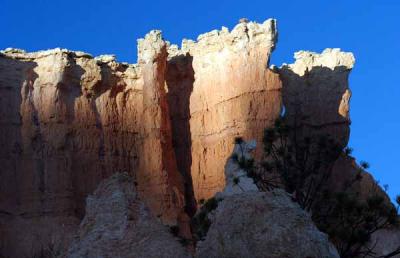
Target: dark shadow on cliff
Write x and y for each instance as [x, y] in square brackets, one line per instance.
[86, 182]
[13, 89]
[16, 84]
[180, 79]
[317, 100]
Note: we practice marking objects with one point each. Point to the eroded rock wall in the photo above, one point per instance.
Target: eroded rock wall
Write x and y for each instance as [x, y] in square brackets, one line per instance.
[69, 120]
[158, 177]
[233, 93]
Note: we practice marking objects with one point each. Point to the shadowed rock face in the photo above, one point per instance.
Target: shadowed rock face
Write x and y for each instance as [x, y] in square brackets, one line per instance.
[67, 122]
[345, 168]
[316, 93]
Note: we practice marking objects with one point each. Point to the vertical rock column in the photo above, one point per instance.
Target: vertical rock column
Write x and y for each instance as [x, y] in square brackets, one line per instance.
[234, 94]
[158, 177]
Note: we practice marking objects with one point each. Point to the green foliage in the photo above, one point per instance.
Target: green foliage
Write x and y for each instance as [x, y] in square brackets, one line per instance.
[246, 164]
[302, 164]
[348, 151]
[364, 165]
[174, 230]
[351, 221]
[200, 222]
[238, 140]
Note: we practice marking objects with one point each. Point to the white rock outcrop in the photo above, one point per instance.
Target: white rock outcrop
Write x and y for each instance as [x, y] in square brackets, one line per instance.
[118, 224]
[264, 224]
[237, 180]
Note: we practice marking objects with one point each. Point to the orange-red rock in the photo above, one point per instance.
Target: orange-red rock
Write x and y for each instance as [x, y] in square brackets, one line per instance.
[233, 93]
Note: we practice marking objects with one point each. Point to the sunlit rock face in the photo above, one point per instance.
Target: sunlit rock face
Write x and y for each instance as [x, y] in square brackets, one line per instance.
[68, 121]
[233, 93]
[158, 178]
[316, 92]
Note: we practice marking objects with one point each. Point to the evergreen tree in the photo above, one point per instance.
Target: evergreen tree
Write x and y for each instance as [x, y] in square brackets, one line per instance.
[302, 163]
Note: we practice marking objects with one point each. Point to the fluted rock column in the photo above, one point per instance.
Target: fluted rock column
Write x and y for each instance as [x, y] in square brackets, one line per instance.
[158, 177]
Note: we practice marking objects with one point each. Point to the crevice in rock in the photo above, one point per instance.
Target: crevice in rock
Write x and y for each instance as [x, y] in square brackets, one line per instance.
[180, 80]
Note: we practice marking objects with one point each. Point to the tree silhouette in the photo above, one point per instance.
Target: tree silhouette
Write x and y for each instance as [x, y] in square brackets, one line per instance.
[302, 163]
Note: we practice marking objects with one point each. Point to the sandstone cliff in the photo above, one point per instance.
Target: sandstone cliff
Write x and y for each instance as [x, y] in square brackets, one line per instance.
[69, 120]
[231, 93]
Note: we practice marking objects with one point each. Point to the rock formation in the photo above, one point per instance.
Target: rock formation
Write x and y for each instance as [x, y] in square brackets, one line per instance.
[264, 224]
[117, 224]
[232, 93]
[316, 93]
[69, 120]
[386, 240]
[250, 223]
[157, 177]
[236, 178]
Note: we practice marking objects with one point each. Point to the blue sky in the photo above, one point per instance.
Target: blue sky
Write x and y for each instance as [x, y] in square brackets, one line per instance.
[369, 29]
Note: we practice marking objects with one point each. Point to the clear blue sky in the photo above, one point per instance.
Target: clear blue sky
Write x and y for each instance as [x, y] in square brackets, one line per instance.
[368, 28]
